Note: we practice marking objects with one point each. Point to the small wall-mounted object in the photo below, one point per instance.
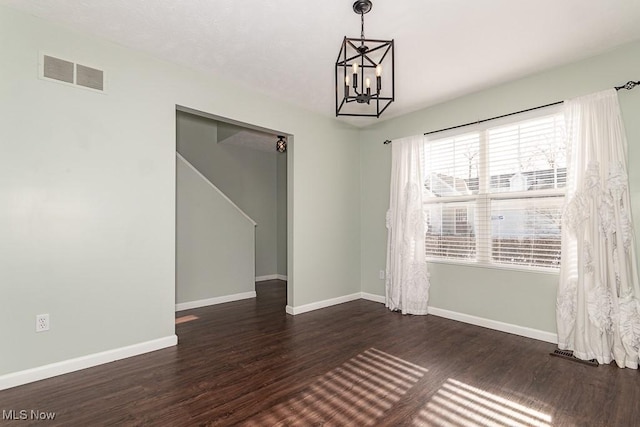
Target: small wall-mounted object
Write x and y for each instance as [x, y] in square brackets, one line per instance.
[281, 144]
[42, 322]
[64, 71]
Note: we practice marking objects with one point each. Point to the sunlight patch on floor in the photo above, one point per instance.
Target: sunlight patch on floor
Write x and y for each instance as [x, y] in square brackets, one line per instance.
[184, 319]
[458, 404]
[356, 393]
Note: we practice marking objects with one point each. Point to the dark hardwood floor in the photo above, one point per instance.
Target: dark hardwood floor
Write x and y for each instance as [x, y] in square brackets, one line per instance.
[356, 364]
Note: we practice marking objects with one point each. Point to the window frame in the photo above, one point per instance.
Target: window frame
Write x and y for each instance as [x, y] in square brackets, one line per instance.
[482, 200]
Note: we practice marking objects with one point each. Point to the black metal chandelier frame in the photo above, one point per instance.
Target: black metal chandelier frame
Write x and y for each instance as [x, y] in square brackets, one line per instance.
[356, 53]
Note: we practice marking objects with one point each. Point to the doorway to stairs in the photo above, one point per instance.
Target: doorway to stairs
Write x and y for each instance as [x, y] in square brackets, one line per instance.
[231, 209]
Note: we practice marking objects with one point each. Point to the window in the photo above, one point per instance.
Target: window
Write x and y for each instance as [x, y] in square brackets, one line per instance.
[494, 195]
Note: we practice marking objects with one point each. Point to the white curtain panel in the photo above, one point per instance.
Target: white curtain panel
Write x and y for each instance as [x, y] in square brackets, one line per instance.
[407, 280]
[597, 307]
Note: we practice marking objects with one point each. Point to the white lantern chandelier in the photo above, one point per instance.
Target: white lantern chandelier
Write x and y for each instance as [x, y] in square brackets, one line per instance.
[364, 73]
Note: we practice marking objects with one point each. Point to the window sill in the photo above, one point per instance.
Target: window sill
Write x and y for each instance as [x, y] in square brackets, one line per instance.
[518, 268]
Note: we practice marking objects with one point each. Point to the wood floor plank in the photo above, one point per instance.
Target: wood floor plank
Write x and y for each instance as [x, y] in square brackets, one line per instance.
[248, 363]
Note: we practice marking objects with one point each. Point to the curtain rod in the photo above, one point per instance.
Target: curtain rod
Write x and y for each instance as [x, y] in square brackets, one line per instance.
[629, 85]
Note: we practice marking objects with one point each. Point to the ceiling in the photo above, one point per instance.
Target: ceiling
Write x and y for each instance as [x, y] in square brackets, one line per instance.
[242, 136]
[287, 49]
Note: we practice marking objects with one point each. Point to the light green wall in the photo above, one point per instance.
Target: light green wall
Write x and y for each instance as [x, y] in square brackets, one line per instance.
[87, 189]
[282, 213]
[247, 176]
[215, 242]
[516, 297]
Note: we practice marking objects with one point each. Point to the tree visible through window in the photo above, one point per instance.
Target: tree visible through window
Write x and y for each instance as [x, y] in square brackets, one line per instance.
[494, 196]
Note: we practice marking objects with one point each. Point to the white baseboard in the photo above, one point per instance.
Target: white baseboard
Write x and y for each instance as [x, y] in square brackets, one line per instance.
[522, 331]
[271, 277]
[480, 321]
[373, 297]
[66, 366]
[321, 304]
[213, 301]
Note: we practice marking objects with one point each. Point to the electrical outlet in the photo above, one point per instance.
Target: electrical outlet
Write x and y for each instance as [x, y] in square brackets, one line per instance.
[42, 322]
[381, 275]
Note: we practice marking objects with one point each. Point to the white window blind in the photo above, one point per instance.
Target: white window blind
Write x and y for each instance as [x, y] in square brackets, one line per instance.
[495, 196]
[451, 185]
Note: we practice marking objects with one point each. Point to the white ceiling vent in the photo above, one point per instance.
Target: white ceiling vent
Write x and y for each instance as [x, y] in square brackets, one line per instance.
[68, 72]
[89, 77]
[57, 69]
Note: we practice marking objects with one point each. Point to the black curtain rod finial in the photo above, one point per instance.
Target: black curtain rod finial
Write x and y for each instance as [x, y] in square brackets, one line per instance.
[629, 85]
[387, 141]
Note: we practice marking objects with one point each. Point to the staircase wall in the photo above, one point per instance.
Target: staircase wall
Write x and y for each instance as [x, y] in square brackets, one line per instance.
[215, 242]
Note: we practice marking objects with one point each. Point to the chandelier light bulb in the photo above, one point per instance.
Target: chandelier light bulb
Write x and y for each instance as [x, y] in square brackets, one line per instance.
[355, 75]
[378, 70]
[367, 82]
